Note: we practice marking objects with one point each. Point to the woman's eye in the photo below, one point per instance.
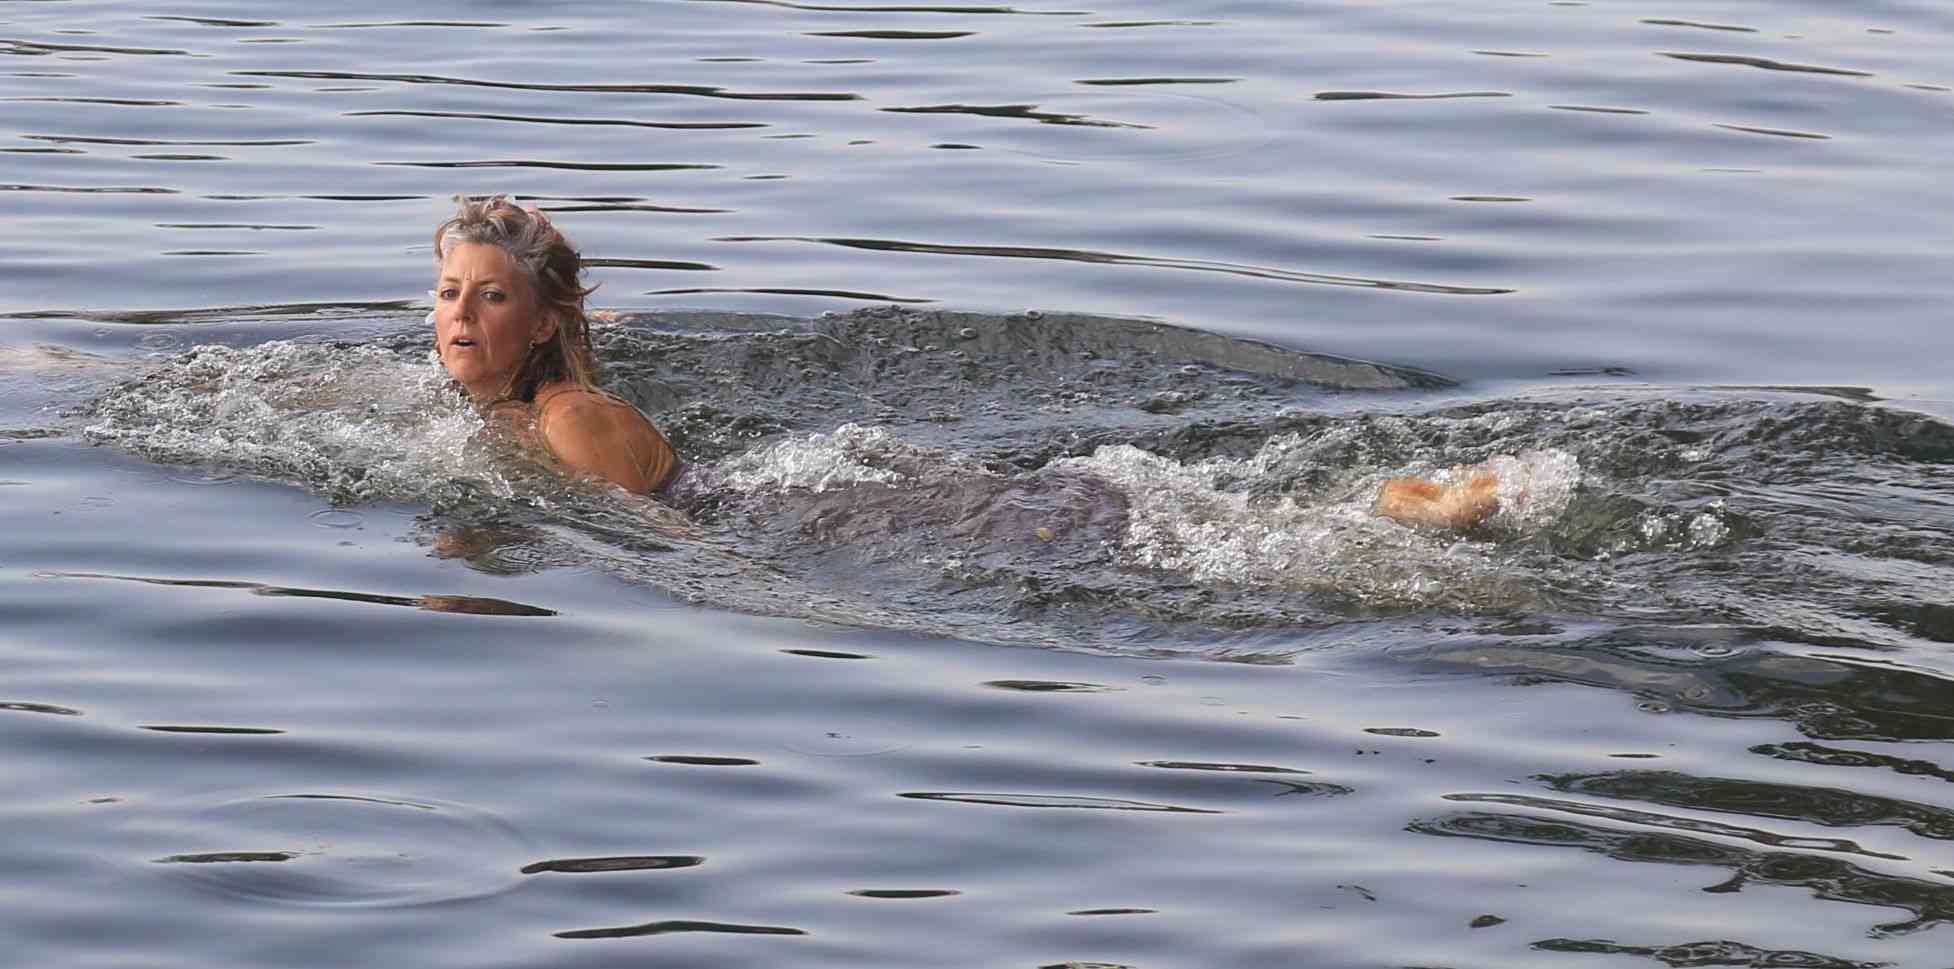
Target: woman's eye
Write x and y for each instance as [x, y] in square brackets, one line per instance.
[447, 294]
[493, 296]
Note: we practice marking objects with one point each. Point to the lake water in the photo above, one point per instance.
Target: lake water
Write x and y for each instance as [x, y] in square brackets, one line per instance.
[1036, 365]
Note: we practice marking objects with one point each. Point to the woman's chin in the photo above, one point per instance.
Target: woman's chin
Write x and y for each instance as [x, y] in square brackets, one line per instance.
[473, 379]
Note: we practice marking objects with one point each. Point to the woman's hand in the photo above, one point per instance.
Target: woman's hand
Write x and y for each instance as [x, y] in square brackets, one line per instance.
[1420, 501]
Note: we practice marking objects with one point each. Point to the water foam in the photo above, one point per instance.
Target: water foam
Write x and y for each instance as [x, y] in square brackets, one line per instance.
[1209, 520]
[851, 454]
[359, 423]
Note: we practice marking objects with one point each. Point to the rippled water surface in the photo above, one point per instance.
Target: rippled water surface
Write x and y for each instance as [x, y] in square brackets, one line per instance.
[1036, 367]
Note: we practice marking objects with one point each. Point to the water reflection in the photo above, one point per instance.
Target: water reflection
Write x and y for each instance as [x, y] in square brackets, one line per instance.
[1830, 807]
[686, 90]
[624, 863]
[1826, 698]
[671, 926]
[1930, 902]
[472, 605]
[1721, 952]
[1121, 259]
[1766, 64]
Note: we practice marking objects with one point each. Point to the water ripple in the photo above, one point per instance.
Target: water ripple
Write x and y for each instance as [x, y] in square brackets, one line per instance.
[672, 926]
[1390, 96]
[1774, 132]
[1702, 26]
[689, 90]
[1674, 822]
[1929, 900]
[1061, 801]
[85, 140]
[123, 102]
[1765, 64]
[237, 731]
[898, 8]
[215, 22]
[29, 47]
[343, 850]
[411, 23]
[1111, 258]
[474, 605]
[48, 708]
[1026, 112]
[1719, 952]
[895, 34]
[620, 863]
[533, 119]
[91, 189]
[561, 165]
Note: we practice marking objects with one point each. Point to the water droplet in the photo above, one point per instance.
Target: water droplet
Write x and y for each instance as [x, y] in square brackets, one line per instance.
[864, 739]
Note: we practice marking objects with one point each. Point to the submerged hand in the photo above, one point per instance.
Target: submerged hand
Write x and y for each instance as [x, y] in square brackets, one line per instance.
[1420, 501]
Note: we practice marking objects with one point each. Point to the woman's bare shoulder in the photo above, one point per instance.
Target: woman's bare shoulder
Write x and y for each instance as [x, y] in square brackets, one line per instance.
[598, 434]
[566, 400]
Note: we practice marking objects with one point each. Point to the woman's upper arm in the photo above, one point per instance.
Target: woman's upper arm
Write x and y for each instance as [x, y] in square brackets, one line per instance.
[609, 439]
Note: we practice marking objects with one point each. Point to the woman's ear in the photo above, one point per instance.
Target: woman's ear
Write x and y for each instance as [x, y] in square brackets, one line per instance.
[545, 328]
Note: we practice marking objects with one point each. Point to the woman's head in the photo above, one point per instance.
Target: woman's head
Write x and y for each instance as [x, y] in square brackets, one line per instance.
[509, 308]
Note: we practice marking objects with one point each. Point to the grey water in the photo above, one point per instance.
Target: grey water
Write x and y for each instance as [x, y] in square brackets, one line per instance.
[1035, 366]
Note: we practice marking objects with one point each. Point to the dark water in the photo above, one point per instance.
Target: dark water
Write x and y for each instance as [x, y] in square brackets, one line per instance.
[1025, 609]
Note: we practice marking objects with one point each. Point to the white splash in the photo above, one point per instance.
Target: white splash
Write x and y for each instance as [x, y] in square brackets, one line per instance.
[358, 422]
[1206, 520]
[849, 454]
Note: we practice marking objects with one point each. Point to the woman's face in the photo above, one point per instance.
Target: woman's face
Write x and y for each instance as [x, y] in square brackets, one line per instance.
[485, 318]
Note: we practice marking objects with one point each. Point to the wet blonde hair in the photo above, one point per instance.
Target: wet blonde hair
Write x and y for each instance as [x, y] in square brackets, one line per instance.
[553, 268]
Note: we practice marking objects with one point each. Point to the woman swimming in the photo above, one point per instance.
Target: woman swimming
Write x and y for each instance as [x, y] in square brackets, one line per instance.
[510, 328]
